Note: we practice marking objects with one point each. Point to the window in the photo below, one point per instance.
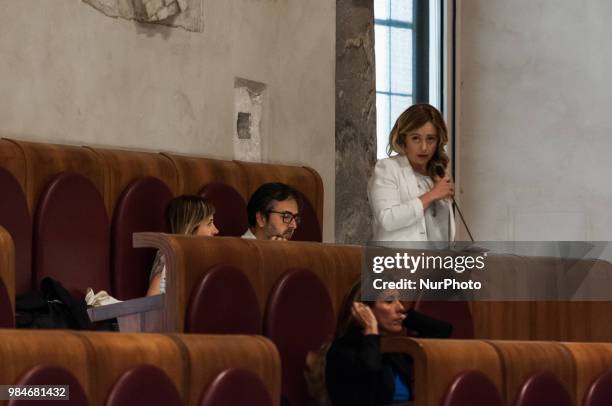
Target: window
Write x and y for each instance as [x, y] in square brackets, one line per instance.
[407, 37]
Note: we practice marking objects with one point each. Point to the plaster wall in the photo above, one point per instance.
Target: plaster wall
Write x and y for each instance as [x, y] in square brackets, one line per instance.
[534, 124]
[70, 74]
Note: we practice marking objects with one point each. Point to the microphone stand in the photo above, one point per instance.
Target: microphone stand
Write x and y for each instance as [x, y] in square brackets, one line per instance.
[456, 206]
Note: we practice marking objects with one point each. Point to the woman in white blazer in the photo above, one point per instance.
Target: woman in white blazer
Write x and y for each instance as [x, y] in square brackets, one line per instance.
[410, 193]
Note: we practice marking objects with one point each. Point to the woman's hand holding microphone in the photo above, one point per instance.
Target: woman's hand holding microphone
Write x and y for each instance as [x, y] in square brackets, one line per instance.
[442, 189]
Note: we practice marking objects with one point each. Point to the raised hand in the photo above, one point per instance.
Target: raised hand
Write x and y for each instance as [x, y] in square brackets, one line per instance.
[364, 316]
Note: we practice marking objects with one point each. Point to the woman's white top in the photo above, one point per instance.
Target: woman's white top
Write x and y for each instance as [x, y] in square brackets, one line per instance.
[394, 191]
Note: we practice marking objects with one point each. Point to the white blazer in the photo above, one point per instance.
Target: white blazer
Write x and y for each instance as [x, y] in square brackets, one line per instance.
[396, 207]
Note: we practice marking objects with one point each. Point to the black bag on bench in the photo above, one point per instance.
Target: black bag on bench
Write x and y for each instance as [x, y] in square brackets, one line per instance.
[51, 308]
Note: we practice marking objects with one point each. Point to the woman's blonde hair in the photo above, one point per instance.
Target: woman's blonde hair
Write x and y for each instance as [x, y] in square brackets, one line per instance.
[413, 118]
[185, 213]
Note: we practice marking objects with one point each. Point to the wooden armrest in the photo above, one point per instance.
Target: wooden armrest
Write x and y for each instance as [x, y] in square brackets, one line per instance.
[133, 306]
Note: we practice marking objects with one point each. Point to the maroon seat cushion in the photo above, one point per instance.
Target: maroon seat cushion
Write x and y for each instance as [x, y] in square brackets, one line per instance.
[15, 218]
[7, 317]
[230, 209]
[72, 235]
[472, 388]
[543, 389]
[600, 391]
[236, 387]
[223, 302]
[144, 385]
[455, 312]
[52, 375]
[299, 318]
[140, 208]
[309, 229]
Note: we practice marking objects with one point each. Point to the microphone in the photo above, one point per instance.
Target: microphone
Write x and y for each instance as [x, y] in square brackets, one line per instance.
[440, 172]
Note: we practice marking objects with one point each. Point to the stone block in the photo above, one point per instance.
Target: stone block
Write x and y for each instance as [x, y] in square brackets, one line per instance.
[162, 14]
[152, 7]
[173, 9]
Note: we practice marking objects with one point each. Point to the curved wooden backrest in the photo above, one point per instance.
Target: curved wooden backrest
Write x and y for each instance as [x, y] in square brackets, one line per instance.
[600, 392]
[277, 257]
[223, 302]
[144, 385]
[122, 168]
[195, 173]
[299, 318]
[592, 360]
[222, 391]
[209, 356]
[24, 350]
[15, 218]
[472, 388]
[543, 389]
[141, 207]
[45, 161]
[524, 359]
[230, 209]
[72, 234]
[52, 375]
[110, 355]
[137, 368]
[437, 363]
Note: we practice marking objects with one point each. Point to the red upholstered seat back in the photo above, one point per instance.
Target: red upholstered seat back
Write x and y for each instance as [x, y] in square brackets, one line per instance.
[15, 218]
[543, 389]
[140, 208]
[230, 209]
[600, 392]
[236, 387]
[472, 388]
[72, 234]
[455, 312]
[144, 385]
[223, 302]
[309, 229]
[52, 375]
[299, 318]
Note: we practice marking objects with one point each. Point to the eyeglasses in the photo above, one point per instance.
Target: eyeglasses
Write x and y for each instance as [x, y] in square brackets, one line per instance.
[288, 216]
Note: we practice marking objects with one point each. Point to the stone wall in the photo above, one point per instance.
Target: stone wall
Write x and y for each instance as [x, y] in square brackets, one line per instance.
[355, 118]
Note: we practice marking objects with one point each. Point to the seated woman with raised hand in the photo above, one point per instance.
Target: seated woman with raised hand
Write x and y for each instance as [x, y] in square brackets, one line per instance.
[188, 215]
[357, 372]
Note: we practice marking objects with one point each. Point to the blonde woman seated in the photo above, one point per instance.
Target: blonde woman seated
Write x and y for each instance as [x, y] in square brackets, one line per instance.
[188, 215]
[410, 193]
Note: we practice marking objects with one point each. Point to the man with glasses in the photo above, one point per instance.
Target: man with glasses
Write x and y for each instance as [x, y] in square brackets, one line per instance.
[273, 212]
